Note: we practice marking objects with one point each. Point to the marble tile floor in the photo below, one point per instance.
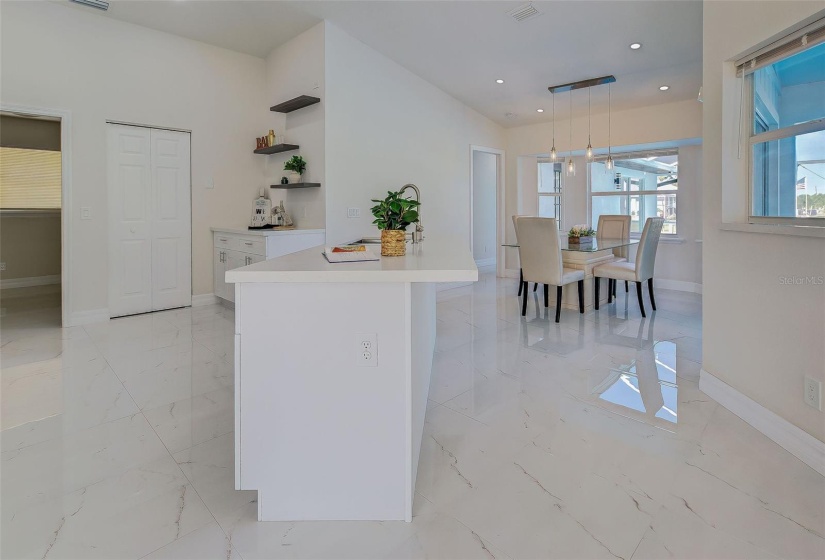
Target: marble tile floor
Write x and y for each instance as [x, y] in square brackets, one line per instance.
[584, 439]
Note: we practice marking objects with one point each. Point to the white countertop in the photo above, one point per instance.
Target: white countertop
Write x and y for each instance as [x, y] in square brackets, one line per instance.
[242, 230]
[436, 259]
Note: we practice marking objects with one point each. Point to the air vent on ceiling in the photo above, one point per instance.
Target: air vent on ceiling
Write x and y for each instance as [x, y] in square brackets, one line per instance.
[524, 12]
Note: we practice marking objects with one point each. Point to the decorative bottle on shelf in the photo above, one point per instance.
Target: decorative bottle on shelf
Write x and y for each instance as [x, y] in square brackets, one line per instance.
[270, 138]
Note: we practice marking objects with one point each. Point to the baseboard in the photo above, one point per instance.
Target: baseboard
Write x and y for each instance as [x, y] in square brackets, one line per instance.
[486, 262]
[79, 318]
[795, 440]
[28, 282]
[512, 273]
[679, 285]
[204, 299]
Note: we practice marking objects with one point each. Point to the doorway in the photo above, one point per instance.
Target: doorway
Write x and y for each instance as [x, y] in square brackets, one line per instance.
[150, 219]
[486, 188]
[31, 204]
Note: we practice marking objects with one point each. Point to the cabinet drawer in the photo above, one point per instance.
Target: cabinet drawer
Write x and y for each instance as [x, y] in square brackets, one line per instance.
[223, 240]
[256, 246]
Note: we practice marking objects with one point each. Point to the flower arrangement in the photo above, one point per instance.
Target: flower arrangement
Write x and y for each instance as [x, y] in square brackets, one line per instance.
[581, 230]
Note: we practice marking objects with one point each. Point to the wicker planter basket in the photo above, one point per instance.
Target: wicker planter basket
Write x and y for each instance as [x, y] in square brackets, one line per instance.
[393, 243]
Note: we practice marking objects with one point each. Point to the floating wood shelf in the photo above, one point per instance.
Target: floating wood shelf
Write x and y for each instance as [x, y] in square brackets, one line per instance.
[277, 148]
[295, 186]
[294, 104]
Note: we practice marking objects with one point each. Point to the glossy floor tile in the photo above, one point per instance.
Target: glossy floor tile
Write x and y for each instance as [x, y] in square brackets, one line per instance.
[584, 439]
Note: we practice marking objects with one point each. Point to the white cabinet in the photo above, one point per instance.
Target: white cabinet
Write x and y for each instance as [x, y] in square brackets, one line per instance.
[235, 250]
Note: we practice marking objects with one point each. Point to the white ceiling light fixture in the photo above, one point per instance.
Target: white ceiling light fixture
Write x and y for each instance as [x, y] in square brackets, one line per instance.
[499, 81]
[539, 110]
[635, 46]
[553, 154]
[99, 4]
[664, 88]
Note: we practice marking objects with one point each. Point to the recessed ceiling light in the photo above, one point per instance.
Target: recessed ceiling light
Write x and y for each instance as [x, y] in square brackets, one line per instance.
[664, 88]
[635, 46]
[499, 81]
[539, 110]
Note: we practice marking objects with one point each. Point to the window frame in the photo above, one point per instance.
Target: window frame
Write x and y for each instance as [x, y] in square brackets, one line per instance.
[632, 155]
[559, 195]
[781, 133]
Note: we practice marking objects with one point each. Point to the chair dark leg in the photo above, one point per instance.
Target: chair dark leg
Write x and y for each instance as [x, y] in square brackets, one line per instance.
[614, 288]
[558, 303]
[610, 290]
[536, 287]
[626, 286]
[524, 301]
[581, 296]
[520, 281]
[596, 292]
[650, 290]
[641, 301]
[546, 295]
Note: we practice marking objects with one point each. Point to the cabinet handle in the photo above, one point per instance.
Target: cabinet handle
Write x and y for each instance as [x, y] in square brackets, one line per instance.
[223, 256]
[249, 243]
[223, 239]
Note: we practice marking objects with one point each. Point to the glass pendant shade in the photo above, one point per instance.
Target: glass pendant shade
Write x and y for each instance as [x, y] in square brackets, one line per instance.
[589, 151]
[571, 166]
[553, 155]
[608, 164]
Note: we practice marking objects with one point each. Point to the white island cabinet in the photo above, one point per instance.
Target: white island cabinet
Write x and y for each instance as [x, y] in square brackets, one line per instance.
[332, 373]
[237, 247]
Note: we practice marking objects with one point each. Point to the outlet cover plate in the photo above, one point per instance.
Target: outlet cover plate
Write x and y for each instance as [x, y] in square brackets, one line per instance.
[813, 393]
[353, 212]
[366, 349]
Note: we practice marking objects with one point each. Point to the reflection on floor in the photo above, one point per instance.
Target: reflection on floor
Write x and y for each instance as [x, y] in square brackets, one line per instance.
[584, 439]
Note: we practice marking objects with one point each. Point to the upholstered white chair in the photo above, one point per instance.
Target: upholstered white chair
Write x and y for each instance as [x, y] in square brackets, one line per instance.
[520, 272]
[638, 271]
[540, 255]
[615, 226]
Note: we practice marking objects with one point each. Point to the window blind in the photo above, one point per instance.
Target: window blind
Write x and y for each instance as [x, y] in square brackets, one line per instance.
[794, 43]
[29, 179]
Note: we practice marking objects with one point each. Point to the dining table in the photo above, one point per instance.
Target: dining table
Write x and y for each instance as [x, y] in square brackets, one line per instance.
[586, 256]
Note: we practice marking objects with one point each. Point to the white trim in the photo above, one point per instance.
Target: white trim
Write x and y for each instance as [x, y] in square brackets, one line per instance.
[88, 317]
[491, 261]
[204, 299]
[65, 117]
[500, 202]
[794, 439]
[678, 285]
[779, 229]
[28, 282]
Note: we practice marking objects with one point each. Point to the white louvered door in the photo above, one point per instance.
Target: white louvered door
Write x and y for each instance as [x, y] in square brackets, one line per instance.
[150, 228]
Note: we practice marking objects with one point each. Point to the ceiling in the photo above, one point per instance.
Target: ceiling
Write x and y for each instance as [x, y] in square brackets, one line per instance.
[464, 46]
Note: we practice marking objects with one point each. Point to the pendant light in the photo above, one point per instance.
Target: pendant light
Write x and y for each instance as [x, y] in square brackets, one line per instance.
[553, 155]
[608, 165]
[571, 165]
[589, 152]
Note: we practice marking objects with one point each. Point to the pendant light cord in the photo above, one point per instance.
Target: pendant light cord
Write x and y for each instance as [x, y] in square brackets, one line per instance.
[588, 115]
[554, 120]
[608, 119]
[571, 124]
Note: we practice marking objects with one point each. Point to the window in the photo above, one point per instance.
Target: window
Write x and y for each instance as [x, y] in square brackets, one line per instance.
[785, 106]
[550, 203]
[640, 185]
[29, 179]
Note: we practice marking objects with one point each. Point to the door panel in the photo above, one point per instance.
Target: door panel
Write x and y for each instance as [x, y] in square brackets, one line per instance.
[172, 220]
[130, 228]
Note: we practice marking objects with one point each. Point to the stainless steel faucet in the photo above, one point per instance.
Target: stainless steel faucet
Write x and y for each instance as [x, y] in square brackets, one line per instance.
[418, 234]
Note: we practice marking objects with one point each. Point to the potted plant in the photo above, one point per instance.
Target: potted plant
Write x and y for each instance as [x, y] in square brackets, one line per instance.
[296, 165]
[392, 216]
[581, 234]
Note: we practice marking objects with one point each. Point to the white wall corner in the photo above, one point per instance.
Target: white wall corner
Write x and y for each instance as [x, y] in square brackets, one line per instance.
[795, 440]
[200, 300]
[79, 318]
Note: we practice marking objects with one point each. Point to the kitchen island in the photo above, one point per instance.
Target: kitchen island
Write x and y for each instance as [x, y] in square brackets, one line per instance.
[332, 373]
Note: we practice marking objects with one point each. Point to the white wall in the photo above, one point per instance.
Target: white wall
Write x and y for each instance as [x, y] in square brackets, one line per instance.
[386, 127]
[485, 179]
[665, 123]
[297, 68]
[100, 69]
[760, 337]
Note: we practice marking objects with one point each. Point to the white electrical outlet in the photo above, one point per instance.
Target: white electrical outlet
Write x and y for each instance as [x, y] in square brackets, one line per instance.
[2, 266]
[366, 349]
[353, 212]
[813, 393]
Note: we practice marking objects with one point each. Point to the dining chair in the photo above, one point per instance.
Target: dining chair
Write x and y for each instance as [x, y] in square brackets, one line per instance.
[615, 226]
[520, 272]
[638, 271]
[540, 255]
